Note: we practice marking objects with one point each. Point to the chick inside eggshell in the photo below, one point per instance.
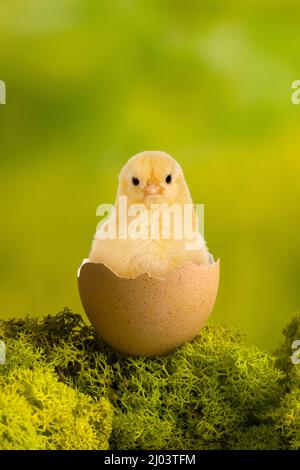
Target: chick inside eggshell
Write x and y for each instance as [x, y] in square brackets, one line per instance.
[149, 294]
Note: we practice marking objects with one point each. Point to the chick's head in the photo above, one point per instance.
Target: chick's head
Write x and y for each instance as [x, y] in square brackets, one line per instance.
[153, 177]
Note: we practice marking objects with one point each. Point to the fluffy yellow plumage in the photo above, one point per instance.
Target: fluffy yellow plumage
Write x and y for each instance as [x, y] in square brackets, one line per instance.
[152, 180]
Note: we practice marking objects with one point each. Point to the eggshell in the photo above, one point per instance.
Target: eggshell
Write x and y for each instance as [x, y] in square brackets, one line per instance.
[147, 316]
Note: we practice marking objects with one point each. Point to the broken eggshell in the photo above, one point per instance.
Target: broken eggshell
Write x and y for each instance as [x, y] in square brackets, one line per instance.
[146, 316]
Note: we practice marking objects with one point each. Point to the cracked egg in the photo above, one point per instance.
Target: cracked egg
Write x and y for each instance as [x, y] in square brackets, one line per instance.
[146, 316]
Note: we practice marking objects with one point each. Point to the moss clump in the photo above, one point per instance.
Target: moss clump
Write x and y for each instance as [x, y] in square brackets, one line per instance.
[37, 411]
[213, 393]
[206, 395]
[287, 416]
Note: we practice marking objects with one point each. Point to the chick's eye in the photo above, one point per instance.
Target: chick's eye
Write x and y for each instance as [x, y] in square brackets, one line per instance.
[169, 179]
[135, 181]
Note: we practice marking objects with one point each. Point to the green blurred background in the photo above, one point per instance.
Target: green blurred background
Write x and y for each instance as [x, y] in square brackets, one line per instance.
[91, 82]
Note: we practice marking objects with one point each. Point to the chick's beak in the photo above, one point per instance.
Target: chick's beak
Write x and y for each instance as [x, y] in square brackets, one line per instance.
[152, 189]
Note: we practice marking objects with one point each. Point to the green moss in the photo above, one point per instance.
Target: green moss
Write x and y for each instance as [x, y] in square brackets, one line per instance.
[201, 396]
[287, 418]
[213, 393]
[37, 411]
[17, 429]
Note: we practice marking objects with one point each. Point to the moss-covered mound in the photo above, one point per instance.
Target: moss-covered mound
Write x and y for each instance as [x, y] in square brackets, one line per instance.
[63, 388]
[39, 411]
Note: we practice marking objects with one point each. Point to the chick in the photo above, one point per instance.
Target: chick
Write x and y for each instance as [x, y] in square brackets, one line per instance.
[152, 180]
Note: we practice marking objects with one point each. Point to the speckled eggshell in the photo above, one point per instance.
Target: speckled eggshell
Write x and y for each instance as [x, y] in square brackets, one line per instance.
[147, 316]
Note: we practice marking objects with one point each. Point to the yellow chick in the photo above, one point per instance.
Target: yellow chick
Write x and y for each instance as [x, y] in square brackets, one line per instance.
[147, 235]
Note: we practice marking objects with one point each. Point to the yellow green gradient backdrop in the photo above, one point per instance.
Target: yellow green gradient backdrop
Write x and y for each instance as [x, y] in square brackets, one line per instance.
[91, 82]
